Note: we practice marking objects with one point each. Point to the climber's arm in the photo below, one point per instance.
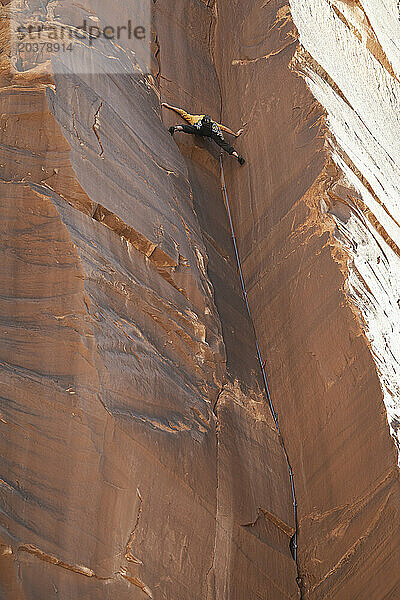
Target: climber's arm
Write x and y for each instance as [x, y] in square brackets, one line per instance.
[179, 111]
[228, 130]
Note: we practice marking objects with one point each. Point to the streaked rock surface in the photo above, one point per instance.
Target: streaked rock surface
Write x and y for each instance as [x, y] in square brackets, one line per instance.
[139, 455]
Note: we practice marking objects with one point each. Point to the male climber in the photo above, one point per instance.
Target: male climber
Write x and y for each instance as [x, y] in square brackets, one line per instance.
[205, 126]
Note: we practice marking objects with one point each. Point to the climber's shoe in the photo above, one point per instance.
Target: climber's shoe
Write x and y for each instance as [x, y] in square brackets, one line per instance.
[172, 130]
[241, 160]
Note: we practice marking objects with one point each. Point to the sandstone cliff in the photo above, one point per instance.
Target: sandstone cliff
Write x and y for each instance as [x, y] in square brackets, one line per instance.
[140, 456]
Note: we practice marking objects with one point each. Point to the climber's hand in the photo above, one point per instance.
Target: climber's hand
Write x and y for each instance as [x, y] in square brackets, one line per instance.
[240, 131]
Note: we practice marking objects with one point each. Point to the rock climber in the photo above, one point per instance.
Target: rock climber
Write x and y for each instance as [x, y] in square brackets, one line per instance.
[205, 126]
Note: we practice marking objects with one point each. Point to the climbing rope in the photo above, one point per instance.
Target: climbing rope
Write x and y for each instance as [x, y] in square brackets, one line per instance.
[262, 365]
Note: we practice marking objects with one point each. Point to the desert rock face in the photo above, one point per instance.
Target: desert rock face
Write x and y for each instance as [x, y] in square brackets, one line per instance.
[307, 279]
[140, 457]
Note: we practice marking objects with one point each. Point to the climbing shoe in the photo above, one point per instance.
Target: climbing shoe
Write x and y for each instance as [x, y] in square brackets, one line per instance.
[241, 160]
[172, 130]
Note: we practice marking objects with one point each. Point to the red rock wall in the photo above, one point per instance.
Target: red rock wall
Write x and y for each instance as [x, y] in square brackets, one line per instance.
[140, 457]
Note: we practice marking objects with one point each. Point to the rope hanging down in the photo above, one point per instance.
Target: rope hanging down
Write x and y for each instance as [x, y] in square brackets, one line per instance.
[261, 363]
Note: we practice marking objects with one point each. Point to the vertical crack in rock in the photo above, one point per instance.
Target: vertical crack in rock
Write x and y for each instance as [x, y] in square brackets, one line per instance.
[75, 129]
[210, 578]
[96, 127]
[128, 552]
[157, 60]
[262, 365]
[221, 391]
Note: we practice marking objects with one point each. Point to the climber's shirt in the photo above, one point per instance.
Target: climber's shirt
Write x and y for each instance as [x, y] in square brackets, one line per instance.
[196, 121]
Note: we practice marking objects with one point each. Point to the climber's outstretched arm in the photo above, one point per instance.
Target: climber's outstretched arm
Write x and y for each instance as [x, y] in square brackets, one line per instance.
[179, 111]
[228, 130]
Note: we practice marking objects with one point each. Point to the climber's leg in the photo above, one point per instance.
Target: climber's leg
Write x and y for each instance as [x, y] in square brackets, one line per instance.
[184, 129]
[220, 140]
